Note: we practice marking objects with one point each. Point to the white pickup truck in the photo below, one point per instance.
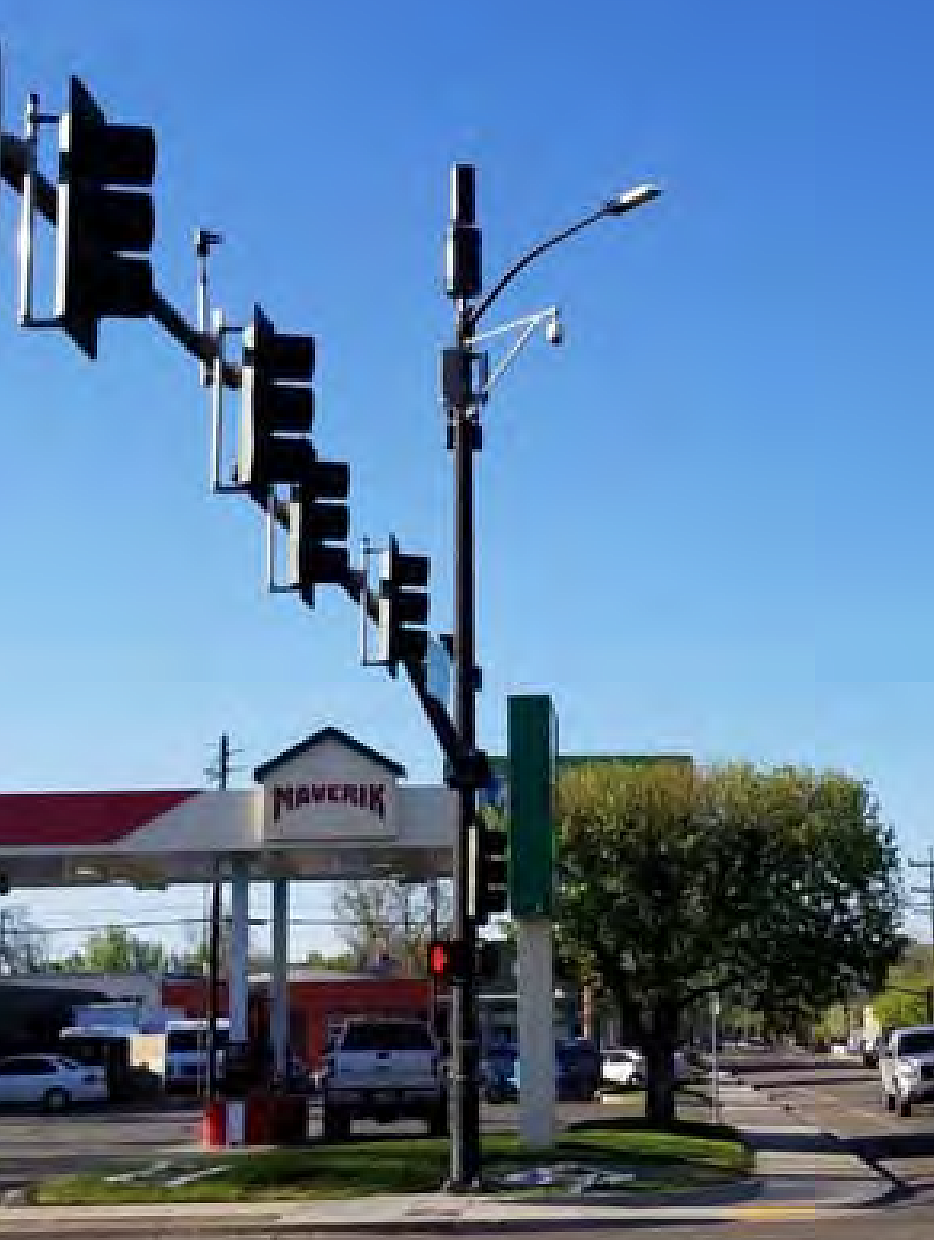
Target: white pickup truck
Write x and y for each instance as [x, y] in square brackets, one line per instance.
[383, 1069]
[906, 1062]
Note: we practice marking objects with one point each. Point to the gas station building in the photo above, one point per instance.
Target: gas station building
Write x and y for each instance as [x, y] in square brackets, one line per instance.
[328, 808]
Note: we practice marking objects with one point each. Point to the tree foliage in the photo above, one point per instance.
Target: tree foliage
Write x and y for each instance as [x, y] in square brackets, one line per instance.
[778, 887]
[24, 947]
[384, 919]
[115, 950]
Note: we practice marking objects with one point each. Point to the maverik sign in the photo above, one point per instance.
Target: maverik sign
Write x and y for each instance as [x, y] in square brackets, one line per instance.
[289, 797]
[328, 786]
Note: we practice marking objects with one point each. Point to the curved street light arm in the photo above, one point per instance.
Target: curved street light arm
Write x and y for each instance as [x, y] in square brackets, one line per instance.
[474, 314]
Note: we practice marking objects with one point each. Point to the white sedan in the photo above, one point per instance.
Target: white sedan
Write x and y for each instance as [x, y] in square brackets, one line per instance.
[622, 1067]
[50, 1081]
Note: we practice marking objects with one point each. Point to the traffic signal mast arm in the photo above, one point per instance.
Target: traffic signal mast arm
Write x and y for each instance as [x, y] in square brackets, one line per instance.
[469, 766]
[200, 345]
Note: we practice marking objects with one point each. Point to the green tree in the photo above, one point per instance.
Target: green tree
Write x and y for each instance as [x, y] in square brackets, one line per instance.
[343, 962]
[24, 948]
[388, 919]
[779, 887]
[115, 950]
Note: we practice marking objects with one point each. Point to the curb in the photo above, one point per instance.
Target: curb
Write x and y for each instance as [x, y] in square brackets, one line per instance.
[431, 1219]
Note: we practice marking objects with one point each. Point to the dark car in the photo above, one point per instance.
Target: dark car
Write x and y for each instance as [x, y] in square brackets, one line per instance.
[579, 1069]
[496, 1068]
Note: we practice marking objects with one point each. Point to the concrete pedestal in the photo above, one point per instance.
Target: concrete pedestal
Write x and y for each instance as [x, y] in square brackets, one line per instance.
[536, 1032]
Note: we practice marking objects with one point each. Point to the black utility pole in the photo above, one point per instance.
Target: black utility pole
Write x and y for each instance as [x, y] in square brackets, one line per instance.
[223, 771]
[463, 437]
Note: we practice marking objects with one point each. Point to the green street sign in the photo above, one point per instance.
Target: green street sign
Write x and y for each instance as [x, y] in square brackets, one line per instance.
[532, 751]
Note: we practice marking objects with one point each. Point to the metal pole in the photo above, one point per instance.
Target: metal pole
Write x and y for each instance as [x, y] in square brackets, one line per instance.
[223, 767]
[433, 934]
[714, 1058]
[465, 1099]
[931, 910]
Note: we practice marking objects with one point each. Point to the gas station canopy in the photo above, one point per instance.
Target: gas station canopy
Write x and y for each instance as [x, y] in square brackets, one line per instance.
[329, 808]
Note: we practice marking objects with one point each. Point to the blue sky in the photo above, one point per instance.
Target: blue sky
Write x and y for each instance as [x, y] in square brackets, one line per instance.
[702, 525]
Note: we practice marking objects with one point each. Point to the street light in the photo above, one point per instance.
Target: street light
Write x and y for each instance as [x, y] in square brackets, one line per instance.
[638, 196]
[635, 197]
[462, 402]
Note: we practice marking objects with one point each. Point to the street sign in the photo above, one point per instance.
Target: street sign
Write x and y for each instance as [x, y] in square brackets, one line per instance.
[439, 678]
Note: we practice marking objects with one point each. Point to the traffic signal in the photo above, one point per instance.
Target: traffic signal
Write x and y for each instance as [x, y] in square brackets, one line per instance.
[277, 406]
[491, 878]
[403, 606]
[447, 960]
[319, 523]
[102, 228]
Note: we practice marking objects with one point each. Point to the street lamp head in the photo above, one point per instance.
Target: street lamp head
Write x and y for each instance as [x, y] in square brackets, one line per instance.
[634, 197]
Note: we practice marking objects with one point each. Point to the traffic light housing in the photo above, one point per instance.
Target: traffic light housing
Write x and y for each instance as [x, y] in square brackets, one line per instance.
[277, 406]
[447, 960]
[491, 877]
[403, 606]
[319, 523]
[103, 229]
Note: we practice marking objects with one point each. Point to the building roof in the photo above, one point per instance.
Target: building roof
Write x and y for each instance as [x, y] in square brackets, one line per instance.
[317, 738]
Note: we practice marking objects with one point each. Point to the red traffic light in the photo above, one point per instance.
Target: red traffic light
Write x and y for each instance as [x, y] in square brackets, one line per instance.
[447, 960]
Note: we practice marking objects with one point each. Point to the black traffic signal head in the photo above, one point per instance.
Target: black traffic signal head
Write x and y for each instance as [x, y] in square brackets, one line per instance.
[319, 524]
[102, 227]
[277, 406]
[492, 866]
[403, 606]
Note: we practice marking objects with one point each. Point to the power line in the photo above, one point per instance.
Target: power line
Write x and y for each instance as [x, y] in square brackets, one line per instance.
[155, 923]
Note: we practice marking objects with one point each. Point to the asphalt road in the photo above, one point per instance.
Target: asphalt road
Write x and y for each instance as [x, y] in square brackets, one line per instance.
[840, 1097]
[34, 1146]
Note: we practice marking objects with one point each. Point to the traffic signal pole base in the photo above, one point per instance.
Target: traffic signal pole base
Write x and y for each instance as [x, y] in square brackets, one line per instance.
[536, 1032]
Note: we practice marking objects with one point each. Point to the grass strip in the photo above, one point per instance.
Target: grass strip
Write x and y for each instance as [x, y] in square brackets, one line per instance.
[688, 1155]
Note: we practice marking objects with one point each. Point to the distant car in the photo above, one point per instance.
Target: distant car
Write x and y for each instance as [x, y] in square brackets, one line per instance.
[53, 1082]
[622, 1067]
[186, 1051]
[496, 1068]
[907, 1067]
[577, 1071]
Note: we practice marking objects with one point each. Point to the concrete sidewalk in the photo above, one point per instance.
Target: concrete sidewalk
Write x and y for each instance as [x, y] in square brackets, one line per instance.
[800, 1173]
[797, 1162]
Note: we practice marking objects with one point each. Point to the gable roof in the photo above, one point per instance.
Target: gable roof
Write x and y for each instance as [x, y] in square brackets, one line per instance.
[318, 738]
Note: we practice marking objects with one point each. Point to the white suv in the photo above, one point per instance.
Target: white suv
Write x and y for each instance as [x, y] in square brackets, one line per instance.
[383, 1069]
[906, 1062]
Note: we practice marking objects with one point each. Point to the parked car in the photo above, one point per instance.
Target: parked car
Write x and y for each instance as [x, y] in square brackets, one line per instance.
[53, 1082]
[577, 1071]
[496, 1067]
[622, 1067]
[186, 1052]
[384, 1069]
[907, 1067]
